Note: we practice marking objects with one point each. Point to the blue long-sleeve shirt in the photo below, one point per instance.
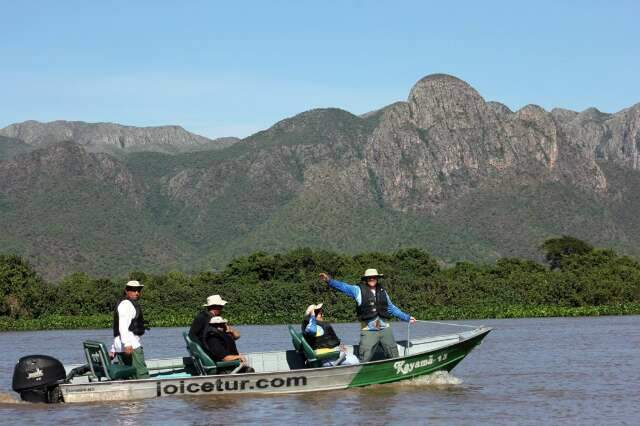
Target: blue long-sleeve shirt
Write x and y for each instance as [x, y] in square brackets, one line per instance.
[353, 291]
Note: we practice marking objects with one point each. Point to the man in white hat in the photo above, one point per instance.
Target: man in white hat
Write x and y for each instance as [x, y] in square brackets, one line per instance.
[128, 326]
[213, 305]
[373, 307]
[220, 344]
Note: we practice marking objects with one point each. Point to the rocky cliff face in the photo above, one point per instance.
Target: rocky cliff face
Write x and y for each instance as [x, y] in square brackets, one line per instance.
[446, 140]
[444, 170]
[112, 137]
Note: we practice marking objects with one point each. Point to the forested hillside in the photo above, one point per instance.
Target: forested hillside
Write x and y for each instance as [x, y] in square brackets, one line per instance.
[445, 171]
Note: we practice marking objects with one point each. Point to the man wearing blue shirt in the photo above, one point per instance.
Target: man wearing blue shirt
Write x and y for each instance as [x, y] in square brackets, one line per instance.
[373, 307]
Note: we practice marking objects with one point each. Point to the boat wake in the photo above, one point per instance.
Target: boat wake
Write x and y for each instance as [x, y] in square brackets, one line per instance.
[439, 378]
[7, 398]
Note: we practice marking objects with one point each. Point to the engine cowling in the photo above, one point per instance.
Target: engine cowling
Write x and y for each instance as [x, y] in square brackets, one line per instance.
[36, 378]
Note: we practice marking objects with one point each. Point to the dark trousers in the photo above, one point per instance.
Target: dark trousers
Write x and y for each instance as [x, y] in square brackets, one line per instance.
[136, 359]
[370, 340]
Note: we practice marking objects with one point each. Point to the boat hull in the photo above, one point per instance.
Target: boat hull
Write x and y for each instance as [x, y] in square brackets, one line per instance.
[416, 363]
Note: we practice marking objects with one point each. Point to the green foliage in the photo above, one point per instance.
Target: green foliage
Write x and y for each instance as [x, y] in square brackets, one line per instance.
[23, 293]
[267, 288]
[557, 249]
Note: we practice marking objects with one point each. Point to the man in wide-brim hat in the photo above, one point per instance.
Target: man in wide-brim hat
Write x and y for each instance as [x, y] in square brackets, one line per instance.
[373, 308]
[214, 306]
[128, 327]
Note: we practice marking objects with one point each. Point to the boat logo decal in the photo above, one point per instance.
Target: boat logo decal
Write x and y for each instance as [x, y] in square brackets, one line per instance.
[37, 374]
[403, 367]
[222, 385]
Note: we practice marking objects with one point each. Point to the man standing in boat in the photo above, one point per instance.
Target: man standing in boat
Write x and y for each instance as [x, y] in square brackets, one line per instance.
[373, 307]
[213, 307]
[128, 327]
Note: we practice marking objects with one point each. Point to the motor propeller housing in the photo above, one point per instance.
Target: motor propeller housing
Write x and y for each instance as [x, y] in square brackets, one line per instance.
[36, 378]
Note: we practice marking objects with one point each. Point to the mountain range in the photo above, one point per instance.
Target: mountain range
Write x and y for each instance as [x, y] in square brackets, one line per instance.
[445, 170]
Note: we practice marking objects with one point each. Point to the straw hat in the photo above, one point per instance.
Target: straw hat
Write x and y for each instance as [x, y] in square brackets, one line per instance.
[312, 308]
[217, 320]
[134, 284]
[215, 300]
[371, 273]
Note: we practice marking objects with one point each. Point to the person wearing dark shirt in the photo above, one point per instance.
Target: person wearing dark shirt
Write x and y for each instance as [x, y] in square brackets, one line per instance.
[219, 343]
[213, 307]
[323, 339]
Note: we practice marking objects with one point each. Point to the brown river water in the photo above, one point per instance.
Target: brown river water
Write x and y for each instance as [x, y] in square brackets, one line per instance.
[582, 371]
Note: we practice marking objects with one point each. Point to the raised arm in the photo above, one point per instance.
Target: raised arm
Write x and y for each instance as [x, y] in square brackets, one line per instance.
[312, 326]
[353, 291]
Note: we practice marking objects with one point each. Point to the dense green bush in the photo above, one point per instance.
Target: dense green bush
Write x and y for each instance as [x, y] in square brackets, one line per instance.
[264, 288]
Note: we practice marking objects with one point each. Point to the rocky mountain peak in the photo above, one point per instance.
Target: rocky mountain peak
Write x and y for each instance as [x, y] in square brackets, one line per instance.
[592, 114]
[499, 108]
[563, 115]
[532, 112]
[444, 99]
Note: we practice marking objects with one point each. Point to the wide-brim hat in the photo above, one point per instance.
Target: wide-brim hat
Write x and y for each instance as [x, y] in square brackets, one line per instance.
[313, 308]
[134, 284]
[215, 300]
[371, 273]
[217, 320]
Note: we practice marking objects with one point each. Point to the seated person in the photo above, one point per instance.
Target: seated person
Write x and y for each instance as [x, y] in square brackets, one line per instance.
[322, 338]
[219, 343]
[214, 306]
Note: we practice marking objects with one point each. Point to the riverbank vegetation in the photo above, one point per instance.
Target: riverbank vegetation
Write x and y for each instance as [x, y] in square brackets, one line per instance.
[275, 288]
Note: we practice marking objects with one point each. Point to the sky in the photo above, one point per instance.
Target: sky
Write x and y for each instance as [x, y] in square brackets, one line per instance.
[234, 68]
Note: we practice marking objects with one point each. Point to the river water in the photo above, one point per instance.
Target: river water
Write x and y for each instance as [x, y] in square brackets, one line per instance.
[527, 371]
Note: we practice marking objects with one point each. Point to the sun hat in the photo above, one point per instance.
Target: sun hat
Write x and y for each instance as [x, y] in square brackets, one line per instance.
[312, 308]
[217, 320]
[134, 284]
[371, 273]
[215, 300]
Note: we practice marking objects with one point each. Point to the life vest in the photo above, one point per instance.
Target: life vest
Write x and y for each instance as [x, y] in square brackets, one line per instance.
[137, 325]
[328, 340]
[372, 305]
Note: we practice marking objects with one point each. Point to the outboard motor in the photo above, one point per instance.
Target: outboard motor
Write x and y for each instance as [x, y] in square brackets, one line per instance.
[36, 378]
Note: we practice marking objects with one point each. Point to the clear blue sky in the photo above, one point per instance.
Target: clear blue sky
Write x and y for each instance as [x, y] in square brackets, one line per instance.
[222, 68]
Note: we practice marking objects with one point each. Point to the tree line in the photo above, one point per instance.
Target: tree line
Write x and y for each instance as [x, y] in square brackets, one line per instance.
[275, 288]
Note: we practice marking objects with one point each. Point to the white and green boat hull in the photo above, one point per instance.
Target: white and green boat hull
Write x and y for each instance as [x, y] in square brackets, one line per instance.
[282, 372]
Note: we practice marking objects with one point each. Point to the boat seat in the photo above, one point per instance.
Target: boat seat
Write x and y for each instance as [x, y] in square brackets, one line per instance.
[203, 362]
[100, 364]
[302, 346]
[295, 339]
